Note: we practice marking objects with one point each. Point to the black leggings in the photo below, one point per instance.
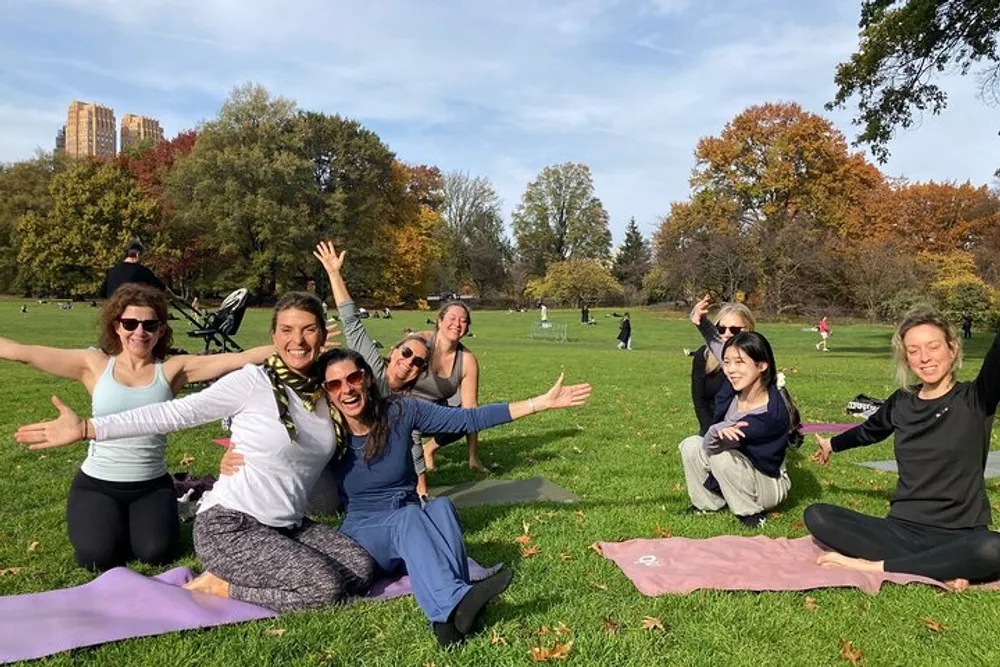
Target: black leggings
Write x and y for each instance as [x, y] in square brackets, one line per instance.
[110, 523]
[906, 546]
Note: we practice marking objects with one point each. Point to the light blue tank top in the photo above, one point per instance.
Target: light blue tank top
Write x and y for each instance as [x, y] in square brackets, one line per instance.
[128, 459]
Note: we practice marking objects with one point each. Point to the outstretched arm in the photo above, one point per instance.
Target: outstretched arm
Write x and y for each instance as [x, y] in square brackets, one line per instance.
[988, 380]
[327, 254]
[70, 364]
[875, 429]
[184, 369]
[699, 317]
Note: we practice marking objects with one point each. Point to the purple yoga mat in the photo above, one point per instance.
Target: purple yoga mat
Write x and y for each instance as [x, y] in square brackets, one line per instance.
[827, 428]
[121, 604]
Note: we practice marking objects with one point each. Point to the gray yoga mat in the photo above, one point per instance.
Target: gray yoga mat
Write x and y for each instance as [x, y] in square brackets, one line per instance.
[504, 492]
[992, 465]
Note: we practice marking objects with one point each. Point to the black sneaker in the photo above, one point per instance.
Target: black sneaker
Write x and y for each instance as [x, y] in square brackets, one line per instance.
[697, 511]
[753, 520]
[447, 634]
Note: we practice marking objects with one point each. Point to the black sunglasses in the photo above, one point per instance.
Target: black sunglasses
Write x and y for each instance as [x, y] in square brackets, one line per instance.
[415, 361]
[131, 324]
[354, 378]
[733, 330]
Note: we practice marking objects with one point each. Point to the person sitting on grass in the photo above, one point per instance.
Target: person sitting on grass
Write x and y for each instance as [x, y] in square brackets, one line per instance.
[939, 516]
[121, 503]
[706, 371]
[740, 462]
[251, 533]
[407, 360]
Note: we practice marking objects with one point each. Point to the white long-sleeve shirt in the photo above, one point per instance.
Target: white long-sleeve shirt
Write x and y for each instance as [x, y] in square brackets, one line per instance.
[273, 487]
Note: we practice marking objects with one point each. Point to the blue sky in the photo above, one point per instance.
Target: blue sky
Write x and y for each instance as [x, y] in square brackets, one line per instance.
[496, 89]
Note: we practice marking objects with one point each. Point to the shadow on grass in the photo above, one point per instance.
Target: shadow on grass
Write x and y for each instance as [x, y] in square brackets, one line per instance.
[510, 453]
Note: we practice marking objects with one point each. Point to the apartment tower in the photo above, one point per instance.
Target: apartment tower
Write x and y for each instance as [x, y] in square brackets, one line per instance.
[137, 129]
[90, 130]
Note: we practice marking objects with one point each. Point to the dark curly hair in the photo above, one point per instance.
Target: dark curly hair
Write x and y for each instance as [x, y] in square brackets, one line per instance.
[135, 294]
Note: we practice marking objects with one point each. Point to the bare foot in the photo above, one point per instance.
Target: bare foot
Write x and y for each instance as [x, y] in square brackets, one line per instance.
[476, 464]
[210, 584]
[430, 447]
[957, 585]
[834, 559]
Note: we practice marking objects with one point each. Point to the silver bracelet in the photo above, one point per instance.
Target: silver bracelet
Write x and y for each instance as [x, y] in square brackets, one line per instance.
[531, 402]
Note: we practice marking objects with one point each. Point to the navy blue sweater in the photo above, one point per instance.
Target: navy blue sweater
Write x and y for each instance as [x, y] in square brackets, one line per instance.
[766, 434]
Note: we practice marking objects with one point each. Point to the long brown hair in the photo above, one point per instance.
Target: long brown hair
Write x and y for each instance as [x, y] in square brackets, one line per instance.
[376, 413]
[915, 318]
[135, 294]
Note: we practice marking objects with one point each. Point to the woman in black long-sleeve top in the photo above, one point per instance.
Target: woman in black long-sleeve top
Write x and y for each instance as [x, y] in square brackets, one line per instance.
[706, 374]
[938, 523]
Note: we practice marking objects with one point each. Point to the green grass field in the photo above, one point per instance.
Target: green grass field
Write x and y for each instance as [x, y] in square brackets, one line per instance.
[619, 454]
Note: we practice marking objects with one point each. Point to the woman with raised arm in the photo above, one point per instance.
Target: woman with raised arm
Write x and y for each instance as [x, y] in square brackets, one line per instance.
[453, 372]
[740, 461]
[706, 370]
[121, 503]
[251, 533]
[407, 360]
[939, 517]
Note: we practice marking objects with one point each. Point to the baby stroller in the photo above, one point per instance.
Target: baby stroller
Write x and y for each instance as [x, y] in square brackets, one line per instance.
[216, 328]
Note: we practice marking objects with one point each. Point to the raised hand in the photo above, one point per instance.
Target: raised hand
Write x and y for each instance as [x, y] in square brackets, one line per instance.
[561, 396]
[327, 254]
[700, 309]
[64, 430]
[823, 451]
[733, 433]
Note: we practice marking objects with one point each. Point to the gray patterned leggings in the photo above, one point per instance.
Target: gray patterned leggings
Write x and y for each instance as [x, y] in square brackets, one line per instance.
[284, 569]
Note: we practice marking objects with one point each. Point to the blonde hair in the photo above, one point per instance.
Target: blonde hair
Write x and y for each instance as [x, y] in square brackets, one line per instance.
[733, 308]
[915, 318]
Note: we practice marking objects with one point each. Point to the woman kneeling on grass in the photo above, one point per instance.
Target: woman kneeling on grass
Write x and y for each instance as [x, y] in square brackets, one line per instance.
[121, 503]
[740, 461]
[939, 516]
[251, 533]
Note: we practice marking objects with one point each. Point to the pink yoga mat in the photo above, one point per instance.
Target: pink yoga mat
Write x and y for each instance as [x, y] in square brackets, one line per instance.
[680, 565]
[121, 604]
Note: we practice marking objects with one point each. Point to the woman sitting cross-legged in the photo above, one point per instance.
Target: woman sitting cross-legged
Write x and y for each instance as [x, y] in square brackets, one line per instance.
[740, 462]
[939, 516]
[251, 533]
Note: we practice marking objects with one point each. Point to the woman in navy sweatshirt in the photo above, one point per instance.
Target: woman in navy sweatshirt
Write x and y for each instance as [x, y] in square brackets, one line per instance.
[938, 522]
[740, 461]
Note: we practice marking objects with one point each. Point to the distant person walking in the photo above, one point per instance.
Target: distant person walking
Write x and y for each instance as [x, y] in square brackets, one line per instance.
[545, 315]
[129, 270]
[625, 333]
[967, 327]
[824, 334]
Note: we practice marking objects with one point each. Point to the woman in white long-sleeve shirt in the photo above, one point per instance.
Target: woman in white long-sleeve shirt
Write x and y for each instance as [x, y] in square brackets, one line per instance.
[251, 533]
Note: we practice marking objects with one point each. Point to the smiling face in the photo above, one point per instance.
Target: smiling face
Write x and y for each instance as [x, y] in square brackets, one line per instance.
[730, 319]
[298, 338]
[928, 353]
[742, 371]
[404, 367]
[454, 323]
[345, 389]
[139, 342]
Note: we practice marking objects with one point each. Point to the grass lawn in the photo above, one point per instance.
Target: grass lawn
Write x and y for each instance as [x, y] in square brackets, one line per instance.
[618, 454]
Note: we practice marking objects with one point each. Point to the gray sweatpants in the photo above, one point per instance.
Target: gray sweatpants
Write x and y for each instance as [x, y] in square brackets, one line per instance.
[744, 488]
[284, 569]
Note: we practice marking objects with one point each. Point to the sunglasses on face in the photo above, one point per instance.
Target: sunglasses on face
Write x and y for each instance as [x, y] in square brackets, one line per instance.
[354, 378]
[131, 324]
[733, 330]
[415, 361]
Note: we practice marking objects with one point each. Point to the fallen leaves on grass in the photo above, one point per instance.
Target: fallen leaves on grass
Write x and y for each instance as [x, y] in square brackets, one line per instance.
[275, 632]
[678, 487]
[652, 623]
[523, 539]
[565, 556]
[186, 460]
[580, 516]
[933, 625]
[662, 532]
[596, 548]
[9, 570]
[498, 639]
[775, 515]
[526, 526]
[810, 603]
[850, 654]
[610, 626]
[33, 545]
[557, 652]
[562, 629]
[798, 524]
[529, 551]
[598, 585]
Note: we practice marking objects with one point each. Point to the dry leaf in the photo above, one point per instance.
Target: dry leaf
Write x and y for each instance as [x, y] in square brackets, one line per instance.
[933, 625]
[528, 552]
[497, 639]
[560, 651]
[810, 603]
[523, 539]
[33, 545]
[526, 526]
[562, 629]
[598, 585]
[678, 487]
[610, 626]
[798, 525]
[275, 632]
[849, 653]
[544, 630]
[662, 532]
[776, 515]
[651, 622]
[565, 555]
[10, 570]
[596, 548]
[580, 516]
[187, 460]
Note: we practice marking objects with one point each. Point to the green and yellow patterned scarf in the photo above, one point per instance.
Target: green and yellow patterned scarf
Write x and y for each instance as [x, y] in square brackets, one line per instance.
[308, 389]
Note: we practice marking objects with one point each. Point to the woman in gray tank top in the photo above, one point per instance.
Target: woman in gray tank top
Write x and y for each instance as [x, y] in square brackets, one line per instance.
[452, 379]
[121, 503]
